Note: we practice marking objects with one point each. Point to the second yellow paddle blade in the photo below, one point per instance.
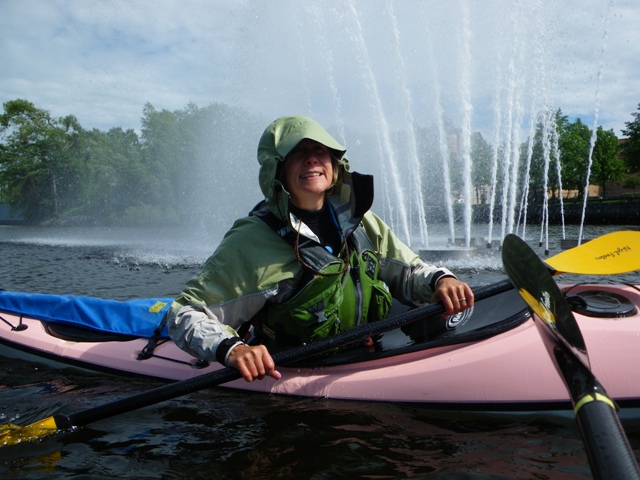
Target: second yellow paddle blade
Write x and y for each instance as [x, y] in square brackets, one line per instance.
[610, 254]
[13, 434]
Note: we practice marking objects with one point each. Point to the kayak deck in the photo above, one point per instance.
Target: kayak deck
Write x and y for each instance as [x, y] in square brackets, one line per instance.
[493, 359]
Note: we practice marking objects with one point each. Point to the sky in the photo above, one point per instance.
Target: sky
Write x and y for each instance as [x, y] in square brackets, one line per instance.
[370, 64]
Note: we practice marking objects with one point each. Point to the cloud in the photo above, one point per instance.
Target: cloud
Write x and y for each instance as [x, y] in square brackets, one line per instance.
[103, 61]
[597, 62]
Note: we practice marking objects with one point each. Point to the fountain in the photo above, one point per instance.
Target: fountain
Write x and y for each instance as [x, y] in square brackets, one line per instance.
[406, 86]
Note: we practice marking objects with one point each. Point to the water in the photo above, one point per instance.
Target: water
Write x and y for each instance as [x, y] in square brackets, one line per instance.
[225, 435]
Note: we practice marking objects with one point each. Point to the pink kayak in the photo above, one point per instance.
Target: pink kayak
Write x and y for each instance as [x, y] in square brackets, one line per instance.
[491, 358]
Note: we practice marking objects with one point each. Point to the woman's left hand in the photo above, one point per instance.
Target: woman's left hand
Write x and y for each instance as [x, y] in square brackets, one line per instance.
[455, 295]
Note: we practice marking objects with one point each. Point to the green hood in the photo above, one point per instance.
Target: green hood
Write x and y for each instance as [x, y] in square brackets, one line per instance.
[276, 142]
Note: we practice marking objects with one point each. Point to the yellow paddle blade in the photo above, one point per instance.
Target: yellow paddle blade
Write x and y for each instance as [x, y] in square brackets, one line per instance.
[610, 254]
[12, 434]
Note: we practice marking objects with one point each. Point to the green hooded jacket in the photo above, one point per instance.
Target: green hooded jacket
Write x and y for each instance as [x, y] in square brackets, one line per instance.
[253, 265]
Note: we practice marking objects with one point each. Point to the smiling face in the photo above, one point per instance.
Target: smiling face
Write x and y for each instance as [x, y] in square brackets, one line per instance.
[308, 174]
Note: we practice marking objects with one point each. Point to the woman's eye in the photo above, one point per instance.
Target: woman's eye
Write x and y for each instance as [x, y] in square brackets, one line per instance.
[305, 152]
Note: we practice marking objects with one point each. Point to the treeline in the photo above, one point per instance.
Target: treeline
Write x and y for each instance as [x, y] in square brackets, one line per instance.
[52, 169]
[612, 159]
[570, 145]
[555, 158]
[198, 164]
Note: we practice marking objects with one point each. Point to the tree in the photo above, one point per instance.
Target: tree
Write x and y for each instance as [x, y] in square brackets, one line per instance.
[574, 147]
[632, 183]
[195, 158]
[185, 165]
[540, 158]
[113, 177]
[607, 165]
[39, 169]
[481, 155]
[544, 154]
[160, 143]
[631, 147]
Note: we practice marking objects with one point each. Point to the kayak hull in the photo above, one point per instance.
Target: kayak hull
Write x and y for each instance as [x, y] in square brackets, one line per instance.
[510, 370]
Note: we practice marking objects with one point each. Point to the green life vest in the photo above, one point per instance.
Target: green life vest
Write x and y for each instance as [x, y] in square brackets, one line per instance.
[325, 305]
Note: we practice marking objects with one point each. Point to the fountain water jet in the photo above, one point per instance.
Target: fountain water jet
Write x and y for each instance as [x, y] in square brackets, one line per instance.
[594, 131]
[467, 106]
[405, 86]
[385, 145]
[416, 193]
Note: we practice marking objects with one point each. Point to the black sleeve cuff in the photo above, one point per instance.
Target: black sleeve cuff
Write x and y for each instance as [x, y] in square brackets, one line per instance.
[437, 276]
[224, 347]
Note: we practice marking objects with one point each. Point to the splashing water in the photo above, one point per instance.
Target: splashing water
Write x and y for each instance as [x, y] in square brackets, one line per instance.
[594, 131]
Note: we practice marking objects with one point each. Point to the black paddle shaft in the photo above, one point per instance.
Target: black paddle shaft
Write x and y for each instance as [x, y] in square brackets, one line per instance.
[218, 377]
[608, 449]
[610, 455]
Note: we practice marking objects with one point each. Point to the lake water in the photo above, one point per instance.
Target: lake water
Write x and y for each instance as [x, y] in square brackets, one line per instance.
[225, 435]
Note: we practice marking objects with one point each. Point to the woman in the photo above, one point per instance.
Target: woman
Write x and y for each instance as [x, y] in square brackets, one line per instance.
[309, 261]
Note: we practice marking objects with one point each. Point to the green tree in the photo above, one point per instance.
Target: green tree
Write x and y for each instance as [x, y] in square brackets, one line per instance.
[631, 146]
[539, 155]
[481, 155]
[39, 167]
[196, 157]
[544, 155]
[170, 143]
[574, 154]
[607, 165]
[113, 175]
[184, 166]
[632, 183]
[160, 147]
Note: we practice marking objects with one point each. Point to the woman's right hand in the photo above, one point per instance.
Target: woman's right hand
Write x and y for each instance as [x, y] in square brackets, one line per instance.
[253, 362]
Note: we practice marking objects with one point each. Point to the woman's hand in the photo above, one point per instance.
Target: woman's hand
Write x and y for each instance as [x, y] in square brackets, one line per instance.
[455, 295]
[253, 362]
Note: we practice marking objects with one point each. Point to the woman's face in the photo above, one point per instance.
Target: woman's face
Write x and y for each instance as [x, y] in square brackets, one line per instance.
[308, 174]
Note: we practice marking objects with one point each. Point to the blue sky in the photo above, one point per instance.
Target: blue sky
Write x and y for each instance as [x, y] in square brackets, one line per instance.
[343, 62]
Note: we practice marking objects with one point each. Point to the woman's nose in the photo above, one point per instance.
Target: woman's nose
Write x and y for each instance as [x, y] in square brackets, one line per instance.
[311, 157]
